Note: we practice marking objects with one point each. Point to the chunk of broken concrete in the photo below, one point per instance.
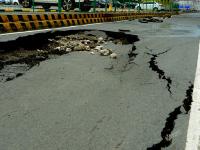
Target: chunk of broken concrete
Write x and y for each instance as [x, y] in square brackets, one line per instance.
[92, 53]
[113, 56]
[87, 48]
[86, 42]
[105, 52]
[100, 39]
[80, 47]
[98, 48]
[68, 50]
[60, 48]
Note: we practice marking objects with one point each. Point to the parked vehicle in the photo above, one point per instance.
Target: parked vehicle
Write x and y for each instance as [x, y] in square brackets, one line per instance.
[131, 5]
[12, 2]
[103, 3]
[2, 1]
[118, 4]
[67, 5]
[150, 6]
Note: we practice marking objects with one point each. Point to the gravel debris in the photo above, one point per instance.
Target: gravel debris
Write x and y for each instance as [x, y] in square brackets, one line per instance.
[113, 56]
[105, 52]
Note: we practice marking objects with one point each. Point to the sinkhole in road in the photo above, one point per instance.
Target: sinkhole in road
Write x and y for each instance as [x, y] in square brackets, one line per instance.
[20, 55]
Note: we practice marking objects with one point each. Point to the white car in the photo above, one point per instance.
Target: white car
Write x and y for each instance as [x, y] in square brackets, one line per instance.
[150, 6]
[12, 2]
[85, 5]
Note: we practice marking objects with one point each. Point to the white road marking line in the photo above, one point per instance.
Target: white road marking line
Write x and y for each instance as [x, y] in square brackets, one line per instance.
[193, 135]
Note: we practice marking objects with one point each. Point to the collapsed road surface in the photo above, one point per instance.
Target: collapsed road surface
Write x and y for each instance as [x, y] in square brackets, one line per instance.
[136, 96]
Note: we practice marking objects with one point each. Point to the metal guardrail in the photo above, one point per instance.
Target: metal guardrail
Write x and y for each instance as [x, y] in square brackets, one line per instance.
[96, 6]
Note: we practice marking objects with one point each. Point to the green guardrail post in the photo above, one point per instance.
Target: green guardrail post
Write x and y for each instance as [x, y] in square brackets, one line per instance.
[106, 5]
[139, 6]
[94, 7]
[115, 5]
[153, 6]
[79, 6]
[59, 6]
[123, 6]
[146, 5]
[171, 6]
[33, 4]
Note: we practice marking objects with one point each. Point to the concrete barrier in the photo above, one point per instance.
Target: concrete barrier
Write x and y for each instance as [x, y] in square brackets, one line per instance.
[24, 22]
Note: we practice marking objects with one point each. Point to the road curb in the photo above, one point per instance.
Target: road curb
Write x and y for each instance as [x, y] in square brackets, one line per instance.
[24, 22]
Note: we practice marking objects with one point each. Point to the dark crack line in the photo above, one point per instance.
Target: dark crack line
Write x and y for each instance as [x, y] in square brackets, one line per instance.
[131, 57]
[169, 49]
[184, 108]
[132, 54]
[153, 64]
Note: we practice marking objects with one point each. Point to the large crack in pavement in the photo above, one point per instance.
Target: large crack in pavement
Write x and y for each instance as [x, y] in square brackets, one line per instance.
[184, 108]
[153, 64]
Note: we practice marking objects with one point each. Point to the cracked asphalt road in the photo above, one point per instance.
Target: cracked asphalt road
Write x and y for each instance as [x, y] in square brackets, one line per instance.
[74, 103]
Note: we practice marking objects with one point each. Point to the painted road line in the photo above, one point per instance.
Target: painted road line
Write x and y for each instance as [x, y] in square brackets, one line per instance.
[193, 135]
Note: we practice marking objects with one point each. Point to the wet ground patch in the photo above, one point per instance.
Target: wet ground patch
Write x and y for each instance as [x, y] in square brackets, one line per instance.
[17, 57]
